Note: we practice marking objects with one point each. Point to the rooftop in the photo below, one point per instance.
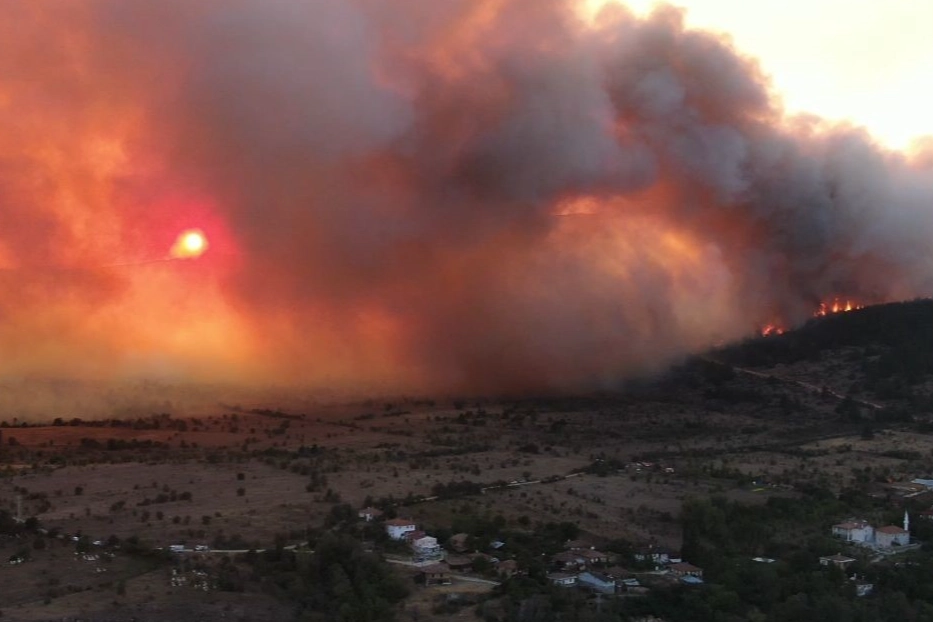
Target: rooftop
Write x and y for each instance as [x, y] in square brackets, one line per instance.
[685, 567]
[400, 522]
[853, 524]
[434, 569]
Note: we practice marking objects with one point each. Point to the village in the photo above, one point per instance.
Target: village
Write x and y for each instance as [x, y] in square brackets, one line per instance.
[579, 565]
[583, 566]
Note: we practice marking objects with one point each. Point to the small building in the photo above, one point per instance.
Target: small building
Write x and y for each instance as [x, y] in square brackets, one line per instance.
[569, 560]
[398, 527]
[839, 560]
[926, 514]
[562, 579]
[854, 531]
[435, 574]
[891, 536]
[370, 514]
[592, 556]
[683, 569]
[658, 557]
[597, 581]
[426, 549]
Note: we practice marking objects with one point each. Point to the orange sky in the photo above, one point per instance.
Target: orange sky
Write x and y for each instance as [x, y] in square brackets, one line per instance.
[468, 195]
[866, 61]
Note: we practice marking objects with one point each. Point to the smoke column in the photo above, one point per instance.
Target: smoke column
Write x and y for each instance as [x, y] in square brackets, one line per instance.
[469, 195]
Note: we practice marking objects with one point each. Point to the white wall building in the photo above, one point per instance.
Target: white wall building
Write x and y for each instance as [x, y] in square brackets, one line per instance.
[891, 536]
[860, 532]
[427, 549]
[398, 527]
[854, 531]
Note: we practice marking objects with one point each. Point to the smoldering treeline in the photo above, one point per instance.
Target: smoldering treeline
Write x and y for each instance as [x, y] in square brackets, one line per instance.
[486, 195]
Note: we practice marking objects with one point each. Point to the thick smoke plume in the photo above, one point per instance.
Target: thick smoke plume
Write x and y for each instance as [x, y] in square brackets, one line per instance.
[482, 195]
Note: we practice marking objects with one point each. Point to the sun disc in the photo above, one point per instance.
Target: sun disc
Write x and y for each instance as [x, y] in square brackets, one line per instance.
[190, 243]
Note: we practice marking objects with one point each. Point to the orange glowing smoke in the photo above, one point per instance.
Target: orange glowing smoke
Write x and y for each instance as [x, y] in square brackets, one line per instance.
[837, 306]
[190, 244]
[469, 196]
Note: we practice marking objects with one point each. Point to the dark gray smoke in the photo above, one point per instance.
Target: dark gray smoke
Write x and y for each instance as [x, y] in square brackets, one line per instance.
[469, 194]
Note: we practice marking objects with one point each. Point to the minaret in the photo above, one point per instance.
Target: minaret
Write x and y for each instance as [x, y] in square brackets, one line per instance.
[906, 522]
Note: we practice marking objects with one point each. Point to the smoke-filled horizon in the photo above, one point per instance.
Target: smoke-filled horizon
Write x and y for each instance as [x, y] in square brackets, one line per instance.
[470, 195]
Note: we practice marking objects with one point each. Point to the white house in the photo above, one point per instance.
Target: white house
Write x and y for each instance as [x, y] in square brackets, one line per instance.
[891, 536]
[854, 531]
[398, 527]
[427, 549]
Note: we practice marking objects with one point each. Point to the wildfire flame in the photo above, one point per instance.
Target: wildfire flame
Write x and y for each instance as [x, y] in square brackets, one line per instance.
[837, 306]
[771, 329]
[189, 244]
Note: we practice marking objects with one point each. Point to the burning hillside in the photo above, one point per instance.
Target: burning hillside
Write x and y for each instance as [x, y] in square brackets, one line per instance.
[837, 306]
[825, 308]
[467, 195]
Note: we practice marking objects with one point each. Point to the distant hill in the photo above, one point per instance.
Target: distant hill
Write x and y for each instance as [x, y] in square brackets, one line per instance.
[887, 349]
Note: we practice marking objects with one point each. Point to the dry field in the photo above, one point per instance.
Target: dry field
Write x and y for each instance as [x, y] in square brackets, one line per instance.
[256, 472]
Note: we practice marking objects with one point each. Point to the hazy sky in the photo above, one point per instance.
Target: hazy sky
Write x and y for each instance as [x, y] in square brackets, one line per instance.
[462, 196]
[868, 61]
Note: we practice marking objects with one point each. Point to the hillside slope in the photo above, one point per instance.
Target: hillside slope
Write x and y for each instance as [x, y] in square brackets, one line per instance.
[878, 355]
